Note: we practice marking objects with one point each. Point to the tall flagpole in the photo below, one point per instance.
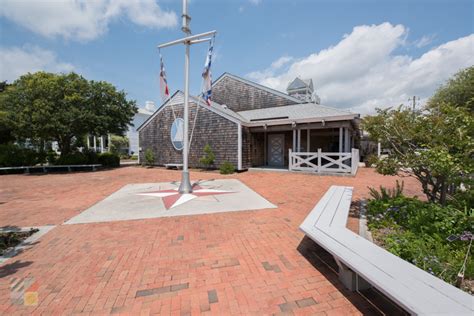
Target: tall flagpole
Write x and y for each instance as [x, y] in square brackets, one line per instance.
[185, 186]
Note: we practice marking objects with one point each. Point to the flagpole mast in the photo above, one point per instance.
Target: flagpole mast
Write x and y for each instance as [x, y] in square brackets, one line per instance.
[185, 186]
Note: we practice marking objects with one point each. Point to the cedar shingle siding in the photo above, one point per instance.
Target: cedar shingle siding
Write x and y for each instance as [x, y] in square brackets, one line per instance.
[211, 128]
[241, 96]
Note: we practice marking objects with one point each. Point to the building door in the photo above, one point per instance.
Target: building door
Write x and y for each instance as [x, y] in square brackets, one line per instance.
[276, 147]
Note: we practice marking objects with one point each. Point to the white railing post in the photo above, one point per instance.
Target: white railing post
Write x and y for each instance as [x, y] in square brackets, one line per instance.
[319, 160]
[354, 161]
[290, 159]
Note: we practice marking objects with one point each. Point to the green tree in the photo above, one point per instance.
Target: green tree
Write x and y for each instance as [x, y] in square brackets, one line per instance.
[458, 91]
[64, 107]
[434, 144]
[6, 135]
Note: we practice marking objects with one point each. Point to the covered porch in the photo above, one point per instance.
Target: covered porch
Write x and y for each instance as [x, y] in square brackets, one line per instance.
[311, 147]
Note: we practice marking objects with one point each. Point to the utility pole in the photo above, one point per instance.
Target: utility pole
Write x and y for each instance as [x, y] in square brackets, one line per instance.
[185, 186]
[414, 102]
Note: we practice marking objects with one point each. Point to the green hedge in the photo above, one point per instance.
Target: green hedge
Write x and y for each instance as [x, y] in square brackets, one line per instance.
[109, 160]
[14, 156]
[89, 158]
[86, 157]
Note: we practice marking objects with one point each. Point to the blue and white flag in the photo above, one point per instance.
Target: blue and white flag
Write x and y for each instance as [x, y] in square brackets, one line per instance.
[165, 92]
[207, 78]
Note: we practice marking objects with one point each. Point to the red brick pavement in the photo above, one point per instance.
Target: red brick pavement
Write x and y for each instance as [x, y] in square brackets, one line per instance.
[250, 262]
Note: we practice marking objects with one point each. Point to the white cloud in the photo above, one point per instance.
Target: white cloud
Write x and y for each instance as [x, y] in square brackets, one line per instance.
[363, 71]
[270, 71]
[15, 61]
[424, 41]
[84, 20]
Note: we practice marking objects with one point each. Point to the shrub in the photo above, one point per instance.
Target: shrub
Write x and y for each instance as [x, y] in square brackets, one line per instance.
[386, 194]
[227, 168]
[371, 160]
[91, 157]
[74, 158]
[109, 159]
[12, 155]
[208, 159]
[417, 232]
[149, 157]
[118, 143]
[86, 157]
[51, 157]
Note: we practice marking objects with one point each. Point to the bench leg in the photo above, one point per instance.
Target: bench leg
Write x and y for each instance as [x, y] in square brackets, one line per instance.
[350, 279]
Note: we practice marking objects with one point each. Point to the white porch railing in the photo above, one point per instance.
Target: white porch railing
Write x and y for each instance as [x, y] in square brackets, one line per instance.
[324, 162]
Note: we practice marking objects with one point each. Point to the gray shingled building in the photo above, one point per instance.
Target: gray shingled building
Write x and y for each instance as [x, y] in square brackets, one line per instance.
[251, 125]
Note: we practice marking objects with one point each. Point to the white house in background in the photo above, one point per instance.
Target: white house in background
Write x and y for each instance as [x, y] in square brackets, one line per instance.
[100, 144]
[142, 115]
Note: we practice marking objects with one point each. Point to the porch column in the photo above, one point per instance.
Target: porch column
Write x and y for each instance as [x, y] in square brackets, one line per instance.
[108, 144]
[299, 140]
[340, 139]
[346, 140]
[307, 140]
[101, 144]
[88, 141]
[294, 140]
[95, 144]
[265, 148]
[239, 147]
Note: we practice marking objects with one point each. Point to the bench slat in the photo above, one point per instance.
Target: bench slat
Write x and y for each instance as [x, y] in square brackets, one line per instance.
[318, 211]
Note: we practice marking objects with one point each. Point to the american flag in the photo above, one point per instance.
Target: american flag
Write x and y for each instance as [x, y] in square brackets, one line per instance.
[207, 78]
[165, 93]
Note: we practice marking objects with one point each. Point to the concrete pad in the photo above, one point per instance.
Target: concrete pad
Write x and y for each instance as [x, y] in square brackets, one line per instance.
[145, 200]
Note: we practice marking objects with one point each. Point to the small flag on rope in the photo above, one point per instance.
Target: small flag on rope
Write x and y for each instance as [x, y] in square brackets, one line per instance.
[207, 78]
[165, 93]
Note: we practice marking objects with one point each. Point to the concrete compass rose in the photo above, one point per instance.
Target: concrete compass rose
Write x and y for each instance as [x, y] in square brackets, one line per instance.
[172, 197]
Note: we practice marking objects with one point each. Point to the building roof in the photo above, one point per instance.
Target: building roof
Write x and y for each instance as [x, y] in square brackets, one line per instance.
[294, 112]
[298, 84]
[258, 86]
[276, 115]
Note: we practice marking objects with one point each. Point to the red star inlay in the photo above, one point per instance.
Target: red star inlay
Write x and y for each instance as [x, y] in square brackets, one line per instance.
[172, 197]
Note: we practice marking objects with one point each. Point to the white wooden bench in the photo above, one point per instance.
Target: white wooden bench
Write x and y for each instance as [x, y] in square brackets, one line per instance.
[363, 264]
[173, 165]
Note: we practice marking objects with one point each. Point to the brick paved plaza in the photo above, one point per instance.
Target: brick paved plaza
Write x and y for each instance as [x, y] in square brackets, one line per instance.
[236, 263]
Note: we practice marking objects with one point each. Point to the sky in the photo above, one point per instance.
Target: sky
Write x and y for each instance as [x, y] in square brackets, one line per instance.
[360, 54]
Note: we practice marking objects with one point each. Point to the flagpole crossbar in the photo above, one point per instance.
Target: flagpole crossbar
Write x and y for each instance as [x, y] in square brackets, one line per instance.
[193, 39]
